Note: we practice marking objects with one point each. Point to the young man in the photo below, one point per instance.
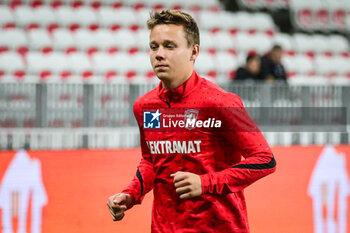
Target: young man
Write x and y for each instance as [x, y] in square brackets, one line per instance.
[193, 135]
[272, 68]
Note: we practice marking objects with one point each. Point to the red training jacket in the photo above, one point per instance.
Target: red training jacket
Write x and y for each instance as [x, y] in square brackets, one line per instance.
[199, 128]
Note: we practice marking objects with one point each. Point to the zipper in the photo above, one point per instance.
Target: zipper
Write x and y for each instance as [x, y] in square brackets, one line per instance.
[167, 102]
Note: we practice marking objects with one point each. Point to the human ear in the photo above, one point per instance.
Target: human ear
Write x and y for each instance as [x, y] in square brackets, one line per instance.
[195, 52]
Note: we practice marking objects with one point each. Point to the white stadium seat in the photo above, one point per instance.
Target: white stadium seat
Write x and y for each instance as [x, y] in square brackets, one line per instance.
[223, 41]
[65, 16]
[227, 63]
[11, 62]
[142, 39]
[62, 39]
[263, 22]
[142, 64]
[206, 41]
[37, 63]
[44, 16]
[231, 23]
[284, 40]
[103, 63]
[125, 39]
[24, 15]
[79, 63]
[6, 15]
[85, 39]
[105, 39]
[209, 20]
[13, 38]
[338, 44]
[302, 43]
[39, 39]
[205, 65]
[85, 16]
[325, 66]
[57, 63]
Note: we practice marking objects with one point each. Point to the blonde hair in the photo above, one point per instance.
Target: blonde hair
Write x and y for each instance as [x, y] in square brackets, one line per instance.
[178, 18]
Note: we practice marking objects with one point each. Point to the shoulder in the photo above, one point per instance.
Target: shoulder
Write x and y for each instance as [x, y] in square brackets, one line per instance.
[218, 97]
[145, 100]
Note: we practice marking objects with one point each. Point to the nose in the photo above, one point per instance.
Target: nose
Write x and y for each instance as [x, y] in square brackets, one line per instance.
[160, 54]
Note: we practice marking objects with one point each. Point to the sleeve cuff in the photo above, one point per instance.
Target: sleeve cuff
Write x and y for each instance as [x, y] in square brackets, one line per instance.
[205, 183]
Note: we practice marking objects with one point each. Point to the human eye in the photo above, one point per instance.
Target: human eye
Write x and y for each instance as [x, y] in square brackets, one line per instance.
[170, 46]
[153, 46]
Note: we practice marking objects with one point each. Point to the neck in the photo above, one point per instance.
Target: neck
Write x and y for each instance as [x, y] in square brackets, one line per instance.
[171, 84]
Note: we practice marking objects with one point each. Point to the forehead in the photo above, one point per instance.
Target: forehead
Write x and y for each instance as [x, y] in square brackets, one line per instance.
[167, 32]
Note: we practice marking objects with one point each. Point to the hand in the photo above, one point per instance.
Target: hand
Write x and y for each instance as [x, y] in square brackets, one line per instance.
[117, 204]
[187, 184]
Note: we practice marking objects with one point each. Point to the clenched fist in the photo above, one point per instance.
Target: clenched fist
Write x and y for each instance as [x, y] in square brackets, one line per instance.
[117, 204]
[187, 184]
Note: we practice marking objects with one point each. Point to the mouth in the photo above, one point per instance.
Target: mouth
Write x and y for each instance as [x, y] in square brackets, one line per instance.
[161, 66]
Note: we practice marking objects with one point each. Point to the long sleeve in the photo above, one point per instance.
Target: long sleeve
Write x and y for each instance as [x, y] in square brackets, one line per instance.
[248, 141]
[142, 182]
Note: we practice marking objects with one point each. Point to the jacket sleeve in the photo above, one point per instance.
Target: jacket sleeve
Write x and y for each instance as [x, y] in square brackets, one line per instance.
[142, 182]
[246, 139]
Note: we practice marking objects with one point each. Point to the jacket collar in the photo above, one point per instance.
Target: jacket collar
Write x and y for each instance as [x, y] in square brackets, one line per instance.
[176, 94]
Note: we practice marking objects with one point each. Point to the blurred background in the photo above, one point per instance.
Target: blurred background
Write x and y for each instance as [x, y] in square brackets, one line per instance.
[71, 70]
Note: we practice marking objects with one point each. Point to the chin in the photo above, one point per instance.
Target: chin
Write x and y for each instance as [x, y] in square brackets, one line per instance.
[162, 76]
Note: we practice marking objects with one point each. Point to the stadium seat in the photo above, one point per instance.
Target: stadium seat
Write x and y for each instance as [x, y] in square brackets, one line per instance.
[105, 40]
[263, 23]
[39, 39]
[342, 65]
[339, 11]
[286, 41]
[227, 63]
[142, 39]
[302, 13]
[142, 16]
[11, 63]
[85, 40]
[105, 65]
[321, 45]
[80, 65]
[126, 40]
[251, 4]
[38, 64]
[14, 39]
[66, 17]
[325, 66]
[63, 39]
[7, 18]
[231, 23]
[44, 16]
[224, 41]
[258, 42]
[207, 43]
[24, 16]
[303, 44]
[339, 44]
[209, 21]
[321, 16]
[205, 65]
[58, 65]
[143, 65]
[86, 17]
[245, 21]
[117, 18]
[304, 65]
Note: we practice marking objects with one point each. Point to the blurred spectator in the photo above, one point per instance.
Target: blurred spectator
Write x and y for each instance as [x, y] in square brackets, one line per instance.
[272, 68]
[251, 70]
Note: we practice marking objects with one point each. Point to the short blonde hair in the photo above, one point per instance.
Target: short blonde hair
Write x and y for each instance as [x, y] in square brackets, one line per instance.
[178, 18]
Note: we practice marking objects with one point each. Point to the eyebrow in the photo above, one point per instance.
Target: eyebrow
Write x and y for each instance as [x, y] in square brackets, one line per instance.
[164, 42]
